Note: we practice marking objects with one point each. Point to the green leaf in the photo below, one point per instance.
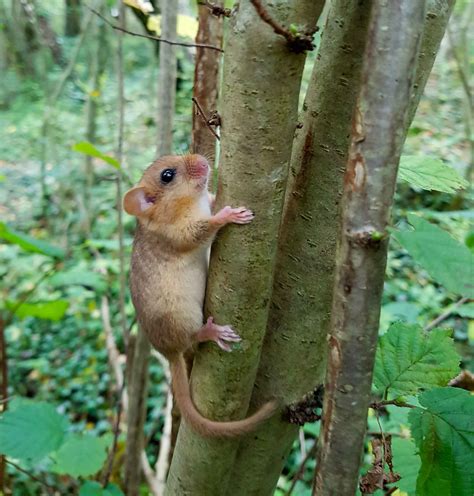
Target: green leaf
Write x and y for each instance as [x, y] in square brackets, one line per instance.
[466, 310]
[409, 359]
[80, 456]
[407, 463]
[448, 262]
[444, 435]
[79, 277]
[31, 431]
[93, 488]
[430, 174]
[48, 310]
[89, 149]
[28, 243]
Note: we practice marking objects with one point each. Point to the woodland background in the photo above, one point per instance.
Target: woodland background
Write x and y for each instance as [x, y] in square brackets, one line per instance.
[60, 261]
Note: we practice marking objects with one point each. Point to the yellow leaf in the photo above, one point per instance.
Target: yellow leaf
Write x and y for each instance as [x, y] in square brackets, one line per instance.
[187, 26]
[94, 93]
[142, 5]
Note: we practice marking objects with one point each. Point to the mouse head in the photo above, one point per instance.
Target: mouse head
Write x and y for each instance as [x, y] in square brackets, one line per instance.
[170, 183]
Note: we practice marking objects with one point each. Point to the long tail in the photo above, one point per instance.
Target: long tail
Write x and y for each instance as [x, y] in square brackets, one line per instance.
[202, 425]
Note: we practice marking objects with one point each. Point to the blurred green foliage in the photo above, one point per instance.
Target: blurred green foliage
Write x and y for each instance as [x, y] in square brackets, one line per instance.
[60, 265]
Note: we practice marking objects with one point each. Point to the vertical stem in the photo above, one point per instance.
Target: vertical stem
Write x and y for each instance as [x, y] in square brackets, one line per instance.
[206, 79]
[3, 393]
[119, 176]
[377, 138]
[167, 78]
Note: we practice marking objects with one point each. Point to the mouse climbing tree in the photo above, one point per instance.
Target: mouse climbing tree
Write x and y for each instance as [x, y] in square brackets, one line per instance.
[273, 280]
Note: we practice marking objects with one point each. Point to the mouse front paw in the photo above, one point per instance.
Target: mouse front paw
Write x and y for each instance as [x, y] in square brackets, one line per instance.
[229, 215]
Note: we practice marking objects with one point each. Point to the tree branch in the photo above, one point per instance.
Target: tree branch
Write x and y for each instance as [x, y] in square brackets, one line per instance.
[155, 38]
[378, 132]
[446, 314]
[297, 42]
[205, 118]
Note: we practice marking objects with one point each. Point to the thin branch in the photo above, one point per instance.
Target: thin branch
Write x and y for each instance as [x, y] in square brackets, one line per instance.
[150, 476]
[297, 42]
[110, 459]
[446, 314]
[301, 468]
[113, 353]
[119, 178]
[49, 488]
[377, 405]
[4, 393]
[27, 295]
[393, 434]
[216, 10]
[155, 38]
[205, 118]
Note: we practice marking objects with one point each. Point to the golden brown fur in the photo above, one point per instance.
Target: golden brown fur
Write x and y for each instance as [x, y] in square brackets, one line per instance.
[169, 271]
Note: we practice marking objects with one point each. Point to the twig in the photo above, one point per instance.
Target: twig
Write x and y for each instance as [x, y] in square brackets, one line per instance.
[49, 488]
[4, 393]
[377, 405]
[150, 475]
[297, 42]
[216, 10]
[380, 434]
[155, 38]
[27, 295]
[112, 350]
[205, 118]
[110, 459]
[119, 178]
[301, 468]
[446, 314]
[162, 462]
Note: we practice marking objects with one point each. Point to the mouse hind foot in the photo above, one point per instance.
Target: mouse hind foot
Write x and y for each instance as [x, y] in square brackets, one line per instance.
[222, 335]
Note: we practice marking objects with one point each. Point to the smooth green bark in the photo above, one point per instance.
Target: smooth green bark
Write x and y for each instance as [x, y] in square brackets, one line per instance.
[259, 113]
[293, 356]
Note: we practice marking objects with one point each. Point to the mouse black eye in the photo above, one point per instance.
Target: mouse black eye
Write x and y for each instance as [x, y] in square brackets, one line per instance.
[167, 175]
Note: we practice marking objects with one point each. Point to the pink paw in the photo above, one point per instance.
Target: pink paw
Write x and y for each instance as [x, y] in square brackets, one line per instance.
[229, 215]
[222, 335]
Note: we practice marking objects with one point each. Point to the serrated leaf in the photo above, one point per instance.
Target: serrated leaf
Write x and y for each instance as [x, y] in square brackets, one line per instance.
[89, 149]
[28, 243]
[409, 359]
[444, 435]
[79, 277]
[93, 488]
[80, 456]
[407, 463]
[47, 310]
[31, 431]
[430, 174]
[448, 262]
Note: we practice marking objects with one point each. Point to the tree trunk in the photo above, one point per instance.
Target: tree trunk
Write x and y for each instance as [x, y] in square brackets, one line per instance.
[293, 357]
[72, 21]
[369, 184]
[259, 115]
[206, 79]
[167, 78]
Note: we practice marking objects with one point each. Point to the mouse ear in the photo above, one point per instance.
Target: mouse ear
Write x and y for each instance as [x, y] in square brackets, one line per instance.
[135, 201]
